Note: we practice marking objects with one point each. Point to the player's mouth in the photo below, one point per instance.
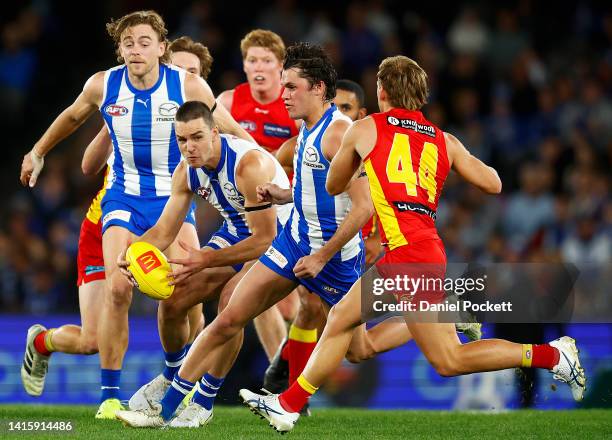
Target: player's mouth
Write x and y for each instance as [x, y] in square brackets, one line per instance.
[259, 79]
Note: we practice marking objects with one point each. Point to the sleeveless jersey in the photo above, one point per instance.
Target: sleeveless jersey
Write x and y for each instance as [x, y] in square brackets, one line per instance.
[317, 214]
[94, 213]
[219, 187]
[269, 124]
[141, 126]
[406, 169]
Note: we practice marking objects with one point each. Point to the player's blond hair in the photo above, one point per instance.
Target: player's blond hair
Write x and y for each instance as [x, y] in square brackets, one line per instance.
[266, 39]
[116, 27]
[404, 81]
[186, 44]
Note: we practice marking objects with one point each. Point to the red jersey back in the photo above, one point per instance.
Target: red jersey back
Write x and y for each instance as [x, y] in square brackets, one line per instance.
[269, 124]
[406, 169]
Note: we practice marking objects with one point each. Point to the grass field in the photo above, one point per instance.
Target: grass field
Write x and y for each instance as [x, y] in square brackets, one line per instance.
[238, 423]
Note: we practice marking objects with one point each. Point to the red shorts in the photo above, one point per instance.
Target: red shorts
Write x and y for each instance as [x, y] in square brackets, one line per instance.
[90, 260]
[425, 259]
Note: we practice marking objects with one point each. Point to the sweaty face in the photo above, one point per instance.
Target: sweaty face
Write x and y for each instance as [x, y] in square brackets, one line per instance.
[262, 68]
[299, 97]
[187, 61]
[195, 141]
[141, 49]
[347, 103]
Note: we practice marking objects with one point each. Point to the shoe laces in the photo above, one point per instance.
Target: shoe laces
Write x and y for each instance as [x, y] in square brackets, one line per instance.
[40, 367]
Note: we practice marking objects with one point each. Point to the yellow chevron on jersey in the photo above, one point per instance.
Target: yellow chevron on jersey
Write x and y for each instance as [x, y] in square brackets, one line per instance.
[94, 213]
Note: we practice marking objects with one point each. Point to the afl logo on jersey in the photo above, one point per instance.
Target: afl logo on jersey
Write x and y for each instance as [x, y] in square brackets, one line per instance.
[249, 126]
[311, 158]
[115, 110]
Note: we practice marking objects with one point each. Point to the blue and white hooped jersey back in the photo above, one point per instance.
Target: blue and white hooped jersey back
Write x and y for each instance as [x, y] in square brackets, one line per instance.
[219, 188]
[317, 214]
[141, 126]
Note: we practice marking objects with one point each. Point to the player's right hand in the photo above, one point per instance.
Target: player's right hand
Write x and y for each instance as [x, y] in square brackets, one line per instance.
[270, 192]
[31, 167]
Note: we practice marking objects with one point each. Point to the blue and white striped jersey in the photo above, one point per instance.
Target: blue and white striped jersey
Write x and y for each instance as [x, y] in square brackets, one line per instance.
[317, 214]
[141, 126]
[219, 188]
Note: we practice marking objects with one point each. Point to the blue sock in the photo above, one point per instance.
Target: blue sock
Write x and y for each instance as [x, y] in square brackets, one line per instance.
[109, 384]
[173, 362]
[206, 393]
[174, 396]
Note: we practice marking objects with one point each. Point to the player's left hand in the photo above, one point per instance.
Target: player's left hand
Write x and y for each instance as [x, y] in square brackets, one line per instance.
[31, 167]
[195, 262]
[309, 266]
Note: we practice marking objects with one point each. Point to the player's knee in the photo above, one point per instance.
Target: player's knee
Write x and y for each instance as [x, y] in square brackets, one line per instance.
[310, 308]
[226, 325]
[446, 364]
[89, 345]
[173, 309]
[120, 293]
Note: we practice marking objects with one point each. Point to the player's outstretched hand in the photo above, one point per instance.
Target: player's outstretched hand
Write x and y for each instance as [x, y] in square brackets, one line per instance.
[195, 262]
[309, 266]
[31, 167]
[272, 193]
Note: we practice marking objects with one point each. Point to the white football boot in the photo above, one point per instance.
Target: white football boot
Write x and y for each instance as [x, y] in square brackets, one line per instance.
[191, 416]
[149, 394]
[144, 418]
[473, 330]
[35, 365]
[568, 369]
[268, 407]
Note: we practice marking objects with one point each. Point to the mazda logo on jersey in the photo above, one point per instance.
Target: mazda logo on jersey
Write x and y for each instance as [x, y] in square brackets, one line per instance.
[168, 108]
[311, 158]
[115, 110]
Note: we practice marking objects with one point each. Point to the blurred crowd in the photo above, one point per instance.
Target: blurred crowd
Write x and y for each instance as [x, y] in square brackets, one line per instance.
[525, 88]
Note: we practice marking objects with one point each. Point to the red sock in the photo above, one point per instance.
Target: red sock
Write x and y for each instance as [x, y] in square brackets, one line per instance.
[296, 396]
[39, 344]
[300, 346]
[544, 356]
[285, 352]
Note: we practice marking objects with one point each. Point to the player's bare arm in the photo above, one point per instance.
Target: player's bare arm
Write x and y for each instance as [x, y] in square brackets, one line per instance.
[357, 143]
[254, 169]
[97, 153]
[226, 99]
[196, 89]
[272, 193]
[472, 169]
[285, 154]
[361, 210]
[65, 124]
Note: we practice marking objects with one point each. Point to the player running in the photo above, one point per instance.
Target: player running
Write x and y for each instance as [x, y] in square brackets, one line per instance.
[138, 100]
[401, 135]
[73, 339]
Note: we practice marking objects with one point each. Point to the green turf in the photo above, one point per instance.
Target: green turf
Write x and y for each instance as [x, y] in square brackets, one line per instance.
[237, 423]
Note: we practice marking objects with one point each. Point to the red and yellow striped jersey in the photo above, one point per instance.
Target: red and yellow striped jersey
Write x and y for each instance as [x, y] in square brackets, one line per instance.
[406, 169]
[95, 209]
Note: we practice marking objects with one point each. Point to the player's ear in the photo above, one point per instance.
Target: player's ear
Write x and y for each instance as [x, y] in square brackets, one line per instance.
[162, 49]
[362, 113]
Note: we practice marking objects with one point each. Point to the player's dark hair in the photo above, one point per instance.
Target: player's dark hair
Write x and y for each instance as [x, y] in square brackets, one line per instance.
[191, 110]
[353, 87]
[315, 66]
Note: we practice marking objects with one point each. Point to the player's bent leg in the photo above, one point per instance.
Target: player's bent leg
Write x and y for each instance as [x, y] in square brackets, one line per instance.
[288, 306]
[74, 339]
[282, 411]
[381, 338]
[174, 329]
